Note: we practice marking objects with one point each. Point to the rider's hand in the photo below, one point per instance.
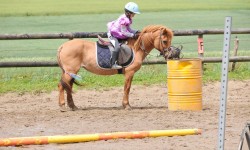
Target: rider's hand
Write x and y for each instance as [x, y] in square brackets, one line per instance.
[136, 35]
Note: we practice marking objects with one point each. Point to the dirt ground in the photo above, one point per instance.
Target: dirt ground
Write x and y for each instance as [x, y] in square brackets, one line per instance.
[39, 115]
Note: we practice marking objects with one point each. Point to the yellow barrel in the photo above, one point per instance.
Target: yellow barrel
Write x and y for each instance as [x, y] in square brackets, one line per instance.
[184, 84]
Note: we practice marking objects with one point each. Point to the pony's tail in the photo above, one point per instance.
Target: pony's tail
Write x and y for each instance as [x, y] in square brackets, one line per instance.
[66, 86]
[59, 59]
[73, 76]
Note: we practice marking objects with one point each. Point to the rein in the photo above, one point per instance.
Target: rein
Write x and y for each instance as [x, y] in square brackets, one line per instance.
[142, 46]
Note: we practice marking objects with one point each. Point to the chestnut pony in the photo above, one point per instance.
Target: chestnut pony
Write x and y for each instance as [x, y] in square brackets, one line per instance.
[77, 53]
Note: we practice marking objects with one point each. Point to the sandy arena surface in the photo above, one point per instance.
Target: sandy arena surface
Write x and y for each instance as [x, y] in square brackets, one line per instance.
[39, 115]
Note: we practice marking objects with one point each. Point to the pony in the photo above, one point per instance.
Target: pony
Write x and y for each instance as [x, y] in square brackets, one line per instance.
[77, 53]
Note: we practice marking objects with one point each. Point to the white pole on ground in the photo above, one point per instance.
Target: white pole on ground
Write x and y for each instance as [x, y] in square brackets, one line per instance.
[224, 82]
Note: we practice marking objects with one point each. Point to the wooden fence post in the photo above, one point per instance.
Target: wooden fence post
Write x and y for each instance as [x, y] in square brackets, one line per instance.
[200, 45]
[236, 46]
[200, 48]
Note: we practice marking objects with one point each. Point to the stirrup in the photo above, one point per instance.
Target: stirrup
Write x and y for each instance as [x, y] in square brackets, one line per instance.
[115, 66]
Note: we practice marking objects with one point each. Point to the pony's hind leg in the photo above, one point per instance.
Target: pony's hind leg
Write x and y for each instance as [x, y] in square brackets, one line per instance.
[70, 101]
[66, 84]
[61, 97]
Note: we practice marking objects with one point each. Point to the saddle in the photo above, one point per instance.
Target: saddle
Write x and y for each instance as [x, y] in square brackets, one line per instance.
[101, 41]
[108, 43]
[104, 49]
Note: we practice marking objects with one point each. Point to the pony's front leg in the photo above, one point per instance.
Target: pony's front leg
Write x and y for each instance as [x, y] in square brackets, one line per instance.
[128, 80]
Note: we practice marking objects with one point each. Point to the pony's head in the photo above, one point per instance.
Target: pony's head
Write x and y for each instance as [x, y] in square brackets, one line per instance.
[158, 36]
[172, 53]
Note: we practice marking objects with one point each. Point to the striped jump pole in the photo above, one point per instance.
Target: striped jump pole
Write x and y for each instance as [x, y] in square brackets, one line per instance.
[39, 140]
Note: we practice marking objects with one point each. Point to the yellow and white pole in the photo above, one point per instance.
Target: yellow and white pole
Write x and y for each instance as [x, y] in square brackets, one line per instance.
[95, 137]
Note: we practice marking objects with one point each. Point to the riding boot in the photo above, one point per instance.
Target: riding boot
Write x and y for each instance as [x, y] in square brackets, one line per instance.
[113, 61]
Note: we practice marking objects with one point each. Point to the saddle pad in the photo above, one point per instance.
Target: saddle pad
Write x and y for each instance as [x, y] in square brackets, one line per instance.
[103, 56]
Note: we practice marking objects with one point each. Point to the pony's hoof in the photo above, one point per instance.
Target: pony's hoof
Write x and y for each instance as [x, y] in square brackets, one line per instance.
[74, 108]
[127, 107]
[63, 108]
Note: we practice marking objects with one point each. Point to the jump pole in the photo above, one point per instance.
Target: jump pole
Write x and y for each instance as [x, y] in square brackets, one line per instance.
[60, 139]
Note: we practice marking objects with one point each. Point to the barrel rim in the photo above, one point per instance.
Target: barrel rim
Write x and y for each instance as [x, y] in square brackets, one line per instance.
[186, 59]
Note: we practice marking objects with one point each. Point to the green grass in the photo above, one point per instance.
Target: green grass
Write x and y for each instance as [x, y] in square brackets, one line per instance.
[213, 72]
[36, 16]
[65, 7]
[45, 79]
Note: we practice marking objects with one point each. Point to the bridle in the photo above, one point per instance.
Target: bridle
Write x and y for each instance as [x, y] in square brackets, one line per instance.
[168, 53]
[164, 50]
[161, 43]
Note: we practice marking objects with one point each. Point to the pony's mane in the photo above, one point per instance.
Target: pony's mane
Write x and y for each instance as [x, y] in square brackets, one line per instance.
[152, 28]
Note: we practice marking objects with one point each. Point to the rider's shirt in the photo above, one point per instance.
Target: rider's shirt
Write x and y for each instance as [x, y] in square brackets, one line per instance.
[120, 28]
